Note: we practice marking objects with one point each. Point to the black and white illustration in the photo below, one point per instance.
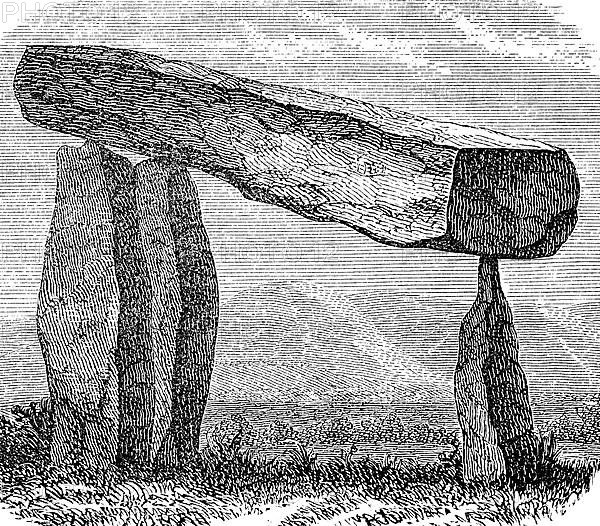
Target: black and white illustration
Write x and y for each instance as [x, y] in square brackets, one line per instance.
[299, 263]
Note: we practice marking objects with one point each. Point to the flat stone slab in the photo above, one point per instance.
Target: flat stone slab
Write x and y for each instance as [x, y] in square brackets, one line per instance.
[400, 179]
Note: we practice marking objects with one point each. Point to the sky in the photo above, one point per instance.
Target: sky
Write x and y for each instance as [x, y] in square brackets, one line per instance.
[316, 311]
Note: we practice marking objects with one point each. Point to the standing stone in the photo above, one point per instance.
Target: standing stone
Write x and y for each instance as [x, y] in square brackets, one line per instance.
[482, 457]
[150, 310]
[164, 308]
[491, 390]
[78, 308]
[133, 346]
[506, 384]
[197, 327]
[128, 311]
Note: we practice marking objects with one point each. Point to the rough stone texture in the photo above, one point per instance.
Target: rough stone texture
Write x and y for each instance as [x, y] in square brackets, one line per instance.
[134, 344]
[482, 457]
[197, 323]
[491, 390]
[158, 246]
[79, 306]
[128, 310]
[517, 205]
[400, 179]
[150, 306]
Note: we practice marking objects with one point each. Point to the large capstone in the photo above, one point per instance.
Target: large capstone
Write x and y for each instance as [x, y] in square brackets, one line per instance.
[400, 179]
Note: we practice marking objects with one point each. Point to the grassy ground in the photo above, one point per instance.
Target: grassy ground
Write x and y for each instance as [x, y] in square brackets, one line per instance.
[231, 483]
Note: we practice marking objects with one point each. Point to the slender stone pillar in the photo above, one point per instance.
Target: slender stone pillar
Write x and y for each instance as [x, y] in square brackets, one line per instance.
[164, 310]
[197, 327]
[507, 390]
[144, 362]
[134, 360]
[491, 389]
[482, 457]
[78, 308]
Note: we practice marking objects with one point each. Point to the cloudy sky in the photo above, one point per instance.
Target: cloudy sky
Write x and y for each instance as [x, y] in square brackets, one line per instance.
[312, 309]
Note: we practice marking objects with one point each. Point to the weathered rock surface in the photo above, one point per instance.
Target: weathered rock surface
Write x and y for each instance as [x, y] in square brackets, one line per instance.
[128, 310]
[491, 390]
[197, 328]
[400, 179]
[78, 307]
[150, 307]
[134, 343]
[158, 249]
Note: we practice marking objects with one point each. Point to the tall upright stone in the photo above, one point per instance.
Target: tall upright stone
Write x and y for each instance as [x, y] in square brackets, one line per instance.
[491, 389]
[506, 384]
[137, 352]
[127, 310]
[197, 328]
[78, 307]
[132, 342]
[482, 457]
[164, 310]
